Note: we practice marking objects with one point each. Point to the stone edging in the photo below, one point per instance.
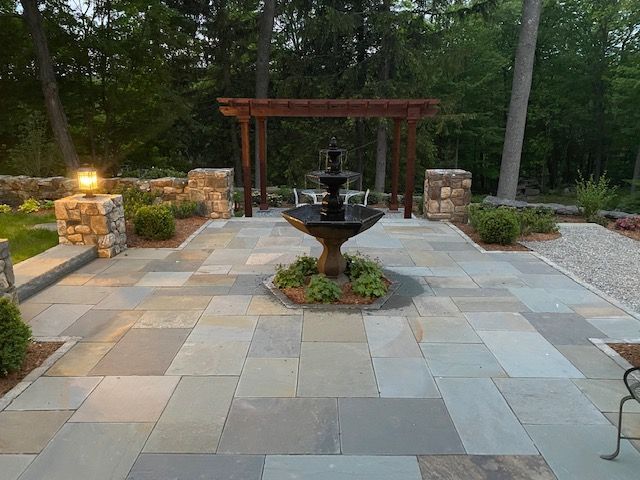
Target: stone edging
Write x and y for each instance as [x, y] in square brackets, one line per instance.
[561, 269]
[601, 344]
[36, 373]
[287, 302]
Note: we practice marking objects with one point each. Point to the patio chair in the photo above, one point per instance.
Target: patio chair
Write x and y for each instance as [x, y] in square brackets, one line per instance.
[297, 199]
[633, 385]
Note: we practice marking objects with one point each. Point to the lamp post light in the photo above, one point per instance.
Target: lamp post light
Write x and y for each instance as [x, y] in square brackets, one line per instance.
[87, 180]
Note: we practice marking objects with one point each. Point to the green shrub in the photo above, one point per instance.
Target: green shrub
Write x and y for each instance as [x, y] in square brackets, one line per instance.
[323, 290]
[4, 208]
[30, 205]
[537, 220]
[359, 265]
[288, 277]
[14, 337]
[499, 226]
[476, 211]
[134, 198]
[185, 209]
[369, 285]
[629, 203]
[593, 195]
[154, 222]
[306, 265]
[47, 205]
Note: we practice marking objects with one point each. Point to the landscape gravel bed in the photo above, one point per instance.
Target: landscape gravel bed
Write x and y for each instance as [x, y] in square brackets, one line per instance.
[598, 256]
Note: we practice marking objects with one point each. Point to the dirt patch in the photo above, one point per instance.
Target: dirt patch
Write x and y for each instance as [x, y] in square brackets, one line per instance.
[516, 247]
[349, 297]
[629, 351]
[184, 228]
[37, 353]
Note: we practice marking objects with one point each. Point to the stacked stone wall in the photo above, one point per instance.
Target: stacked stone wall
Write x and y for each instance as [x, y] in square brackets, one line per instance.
[213, 187]
[7, 278]
[97, 220]
[447, 193]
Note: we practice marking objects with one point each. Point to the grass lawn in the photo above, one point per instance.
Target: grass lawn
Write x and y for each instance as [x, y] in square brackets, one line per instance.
[25, 242]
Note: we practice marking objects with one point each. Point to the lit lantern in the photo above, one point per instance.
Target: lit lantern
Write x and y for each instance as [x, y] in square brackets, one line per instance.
[87, 180]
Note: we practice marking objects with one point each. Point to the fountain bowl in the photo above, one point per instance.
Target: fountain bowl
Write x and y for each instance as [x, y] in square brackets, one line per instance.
[332, 233]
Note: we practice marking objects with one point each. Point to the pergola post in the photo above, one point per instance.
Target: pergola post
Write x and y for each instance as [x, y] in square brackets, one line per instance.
[411, 167]
[246, 165]
[262, 156]
[395, 167]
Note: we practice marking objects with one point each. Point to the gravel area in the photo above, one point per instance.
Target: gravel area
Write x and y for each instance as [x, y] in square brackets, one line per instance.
[598, 256]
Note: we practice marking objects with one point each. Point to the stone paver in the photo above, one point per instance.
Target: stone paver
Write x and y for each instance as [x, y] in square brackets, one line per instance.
[353, 467]
[142, 351]
[193, 419]
[55, 393]
[11, 466]
[573, 452]
[90, 450]
[332, 369]
[484, 467]
[187, 368]
[127, 399]
[277, 336]
[18, 435]
[80, 360]
[197, 467]
[281, 425]
[268, 377]
[404, 378]
[486, 424]
[396, 426]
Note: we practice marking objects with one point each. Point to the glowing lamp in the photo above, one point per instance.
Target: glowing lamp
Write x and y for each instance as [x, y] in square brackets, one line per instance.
[87, 180]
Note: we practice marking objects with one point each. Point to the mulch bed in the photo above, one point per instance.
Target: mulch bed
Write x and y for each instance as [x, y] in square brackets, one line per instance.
[184, 228]
[37, 353]
[516, 247]
[629, 351]
[297, 295]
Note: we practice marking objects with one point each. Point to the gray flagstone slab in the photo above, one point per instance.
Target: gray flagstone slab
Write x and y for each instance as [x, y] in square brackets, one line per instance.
[591, 361]
[396, 426]
[461, 360]
[528, 354]
[404, 378]
[55, 393]
[197, 467]
[277, 336]
[573, 452]
[11, 466]
[19, 434]
[90, 451]
[343, 467]
[482, 417]
[193, 419]
[484, 467]
[390, 337]
[563, 328]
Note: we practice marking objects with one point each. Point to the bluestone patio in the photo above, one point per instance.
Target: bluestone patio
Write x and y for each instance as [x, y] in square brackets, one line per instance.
[479, 366]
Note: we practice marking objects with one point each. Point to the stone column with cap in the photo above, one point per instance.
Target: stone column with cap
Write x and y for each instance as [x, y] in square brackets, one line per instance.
[213, 189]
[97, 220]
[7, 279]
[447, 193]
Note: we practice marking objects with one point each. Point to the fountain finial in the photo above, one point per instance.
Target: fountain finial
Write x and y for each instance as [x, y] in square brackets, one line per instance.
[334, 153]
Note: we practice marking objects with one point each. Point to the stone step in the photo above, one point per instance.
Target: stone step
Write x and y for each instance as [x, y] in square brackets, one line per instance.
[37, 273]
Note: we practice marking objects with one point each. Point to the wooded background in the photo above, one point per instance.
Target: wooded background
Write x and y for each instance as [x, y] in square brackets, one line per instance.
[138, 81]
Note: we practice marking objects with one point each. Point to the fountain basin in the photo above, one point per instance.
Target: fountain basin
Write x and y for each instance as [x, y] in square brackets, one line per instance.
[332, 233]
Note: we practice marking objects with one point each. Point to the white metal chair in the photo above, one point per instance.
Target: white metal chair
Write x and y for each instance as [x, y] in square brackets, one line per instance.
[296, 199]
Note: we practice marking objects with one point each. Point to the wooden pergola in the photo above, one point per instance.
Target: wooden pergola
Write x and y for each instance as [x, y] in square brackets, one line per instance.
[399, 110]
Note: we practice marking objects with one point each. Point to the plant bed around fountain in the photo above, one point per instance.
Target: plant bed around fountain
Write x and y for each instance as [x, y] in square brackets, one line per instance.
[299, 285]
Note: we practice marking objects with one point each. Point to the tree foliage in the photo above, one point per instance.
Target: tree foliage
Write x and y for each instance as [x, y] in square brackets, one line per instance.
[138, 80]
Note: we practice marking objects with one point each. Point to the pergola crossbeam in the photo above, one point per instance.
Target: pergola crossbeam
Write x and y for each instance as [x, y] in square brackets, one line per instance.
[409, 110]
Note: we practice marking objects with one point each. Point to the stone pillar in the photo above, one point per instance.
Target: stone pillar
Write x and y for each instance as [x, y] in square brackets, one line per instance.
[7, 279]
[213, 188]
[447, 193]
[97, 220]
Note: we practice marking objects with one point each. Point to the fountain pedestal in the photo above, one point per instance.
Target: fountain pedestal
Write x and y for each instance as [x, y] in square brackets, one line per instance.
[331, 262]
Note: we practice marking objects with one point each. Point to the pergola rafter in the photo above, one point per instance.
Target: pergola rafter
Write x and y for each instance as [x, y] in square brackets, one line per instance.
[410, 110]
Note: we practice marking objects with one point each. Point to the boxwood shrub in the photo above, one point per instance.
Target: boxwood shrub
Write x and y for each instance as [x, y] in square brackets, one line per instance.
[154, 222]
[14, 337]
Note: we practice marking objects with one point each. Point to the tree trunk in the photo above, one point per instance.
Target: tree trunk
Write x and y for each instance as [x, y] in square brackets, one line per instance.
[381, 157]
[635, 181]
[262, 65]
[55, 111]
[520, 89]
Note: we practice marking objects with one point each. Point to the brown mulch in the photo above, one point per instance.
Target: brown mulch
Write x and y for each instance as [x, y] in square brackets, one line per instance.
[37, 353]
[516, 247]
[184, 228]
[349, 297]
[627, 233]
[629, 351]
